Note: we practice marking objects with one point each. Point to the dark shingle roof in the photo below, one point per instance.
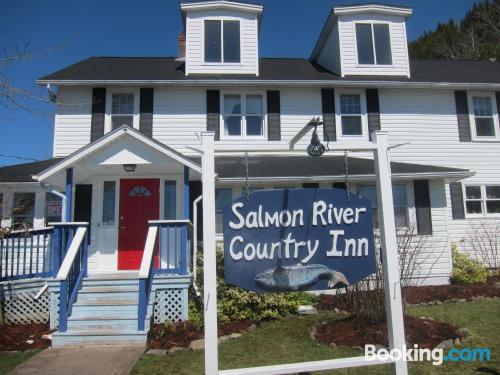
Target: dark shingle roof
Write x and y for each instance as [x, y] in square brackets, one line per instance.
[261, 167]
[23, 172]
[287, 69]
[305, 166]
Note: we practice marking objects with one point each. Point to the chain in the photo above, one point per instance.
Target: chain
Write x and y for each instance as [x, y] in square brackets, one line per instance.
[347, 185]
[247, 185]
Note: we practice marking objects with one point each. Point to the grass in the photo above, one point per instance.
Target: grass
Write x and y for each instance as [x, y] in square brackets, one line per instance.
[9, 360]
[288, 340]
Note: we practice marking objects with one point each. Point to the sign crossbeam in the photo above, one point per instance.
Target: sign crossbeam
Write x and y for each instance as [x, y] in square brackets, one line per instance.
[393, 301]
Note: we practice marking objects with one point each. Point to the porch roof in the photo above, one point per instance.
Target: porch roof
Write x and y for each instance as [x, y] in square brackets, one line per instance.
[107, 156]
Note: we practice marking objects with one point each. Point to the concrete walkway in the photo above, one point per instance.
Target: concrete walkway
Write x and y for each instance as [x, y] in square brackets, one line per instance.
[92, 360]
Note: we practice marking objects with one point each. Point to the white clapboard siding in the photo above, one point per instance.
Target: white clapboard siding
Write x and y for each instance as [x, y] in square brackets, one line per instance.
[348, 52]
[329, 56]
[72, 120]
[195, 43]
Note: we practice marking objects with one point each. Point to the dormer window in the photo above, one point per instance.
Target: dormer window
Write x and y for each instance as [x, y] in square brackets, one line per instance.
[222, 41]
[373, 43]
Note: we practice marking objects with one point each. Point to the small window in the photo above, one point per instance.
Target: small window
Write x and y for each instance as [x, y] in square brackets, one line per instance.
[23, 210]
[483, 116]
[350, 115]
[122, 109]
[243, 115]
[400, 202]
[53, 208]
[170, 200]
[139, 191]
[482, 200]
[222, 197]
[373, 43]
[108, 203]
[222, 41]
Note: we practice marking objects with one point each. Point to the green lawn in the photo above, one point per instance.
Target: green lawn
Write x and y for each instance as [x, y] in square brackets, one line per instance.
[288, 341]
[10, 360]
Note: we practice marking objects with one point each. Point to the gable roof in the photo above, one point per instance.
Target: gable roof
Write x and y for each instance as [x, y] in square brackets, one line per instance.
[167, 70]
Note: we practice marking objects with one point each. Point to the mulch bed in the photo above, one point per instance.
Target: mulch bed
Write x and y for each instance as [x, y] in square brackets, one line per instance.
[181, 334]
[421, 294]
[426, 333]
[15, 337]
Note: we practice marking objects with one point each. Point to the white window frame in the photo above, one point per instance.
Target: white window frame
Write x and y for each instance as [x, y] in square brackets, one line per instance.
[243, 95]
[109, 101]
[472, 119]
[483, 201]
[338, 115]
[371, 23]
[221, 19]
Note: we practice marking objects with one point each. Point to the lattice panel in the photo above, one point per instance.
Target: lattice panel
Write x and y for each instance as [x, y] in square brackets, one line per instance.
[168, 306]
[23, 309]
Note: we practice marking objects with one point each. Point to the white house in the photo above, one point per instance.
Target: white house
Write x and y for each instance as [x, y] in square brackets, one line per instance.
[127, 132]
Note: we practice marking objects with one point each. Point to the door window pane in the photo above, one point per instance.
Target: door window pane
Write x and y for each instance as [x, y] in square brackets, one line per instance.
[108, 203]
[53, 208]
[222, 197]
[170, 200]
[232, 41]
[382, 44]
[213, 41]
[23, 210]
[364, 43]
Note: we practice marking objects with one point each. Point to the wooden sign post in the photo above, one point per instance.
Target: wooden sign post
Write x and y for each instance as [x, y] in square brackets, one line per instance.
[393, 301]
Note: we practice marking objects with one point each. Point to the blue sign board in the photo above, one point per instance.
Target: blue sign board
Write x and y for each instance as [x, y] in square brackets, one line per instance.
[298, 239]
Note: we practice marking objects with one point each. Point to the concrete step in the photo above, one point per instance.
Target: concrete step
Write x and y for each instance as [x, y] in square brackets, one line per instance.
[98, 337]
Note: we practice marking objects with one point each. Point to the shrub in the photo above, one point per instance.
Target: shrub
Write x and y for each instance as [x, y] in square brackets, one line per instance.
[237, 304]
[465, 269]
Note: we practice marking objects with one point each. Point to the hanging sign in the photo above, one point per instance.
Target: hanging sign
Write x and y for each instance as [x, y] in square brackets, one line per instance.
[298, 239]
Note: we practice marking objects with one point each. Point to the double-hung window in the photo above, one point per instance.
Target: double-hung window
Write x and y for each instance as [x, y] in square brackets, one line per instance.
[373, 42]
[400, 202]
[484, 120]
[23, 210]
[243, 115]
[351, 115]
[482, 200]
[122, 109]
[223, 196]
[222, 41]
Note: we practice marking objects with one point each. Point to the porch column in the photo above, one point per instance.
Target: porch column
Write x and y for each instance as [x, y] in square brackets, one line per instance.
[69, 194]
[185, 215]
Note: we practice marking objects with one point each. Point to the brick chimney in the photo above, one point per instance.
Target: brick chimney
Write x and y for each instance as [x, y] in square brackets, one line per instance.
[182, 46]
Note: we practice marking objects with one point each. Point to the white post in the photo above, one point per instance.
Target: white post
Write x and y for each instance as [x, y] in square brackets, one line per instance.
[390, 258]
[209, 253]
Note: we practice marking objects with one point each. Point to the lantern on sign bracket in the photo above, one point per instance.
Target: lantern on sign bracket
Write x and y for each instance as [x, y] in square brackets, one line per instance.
[316, 148]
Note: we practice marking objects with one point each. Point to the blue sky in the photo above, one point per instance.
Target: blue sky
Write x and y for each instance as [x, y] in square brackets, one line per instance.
[77, 29]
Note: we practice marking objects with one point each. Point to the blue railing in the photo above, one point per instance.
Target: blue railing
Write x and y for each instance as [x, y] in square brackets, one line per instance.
[73, 269]
[25, 254]
[171, 255]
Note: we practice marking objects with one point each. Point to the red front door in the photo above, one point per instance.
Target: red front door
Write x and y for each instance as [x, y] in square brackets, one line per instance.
[139, 202]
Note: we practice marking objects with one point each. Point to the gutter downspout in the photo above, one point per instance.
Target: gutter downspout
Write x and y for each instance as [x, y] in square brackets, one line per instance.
[50, 189]
[195, 243]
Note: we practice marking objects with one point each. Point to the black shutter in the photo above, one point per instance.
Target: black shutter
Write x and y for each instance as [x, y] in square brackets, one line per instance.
[98, 111]
[328, 106]
[339, 185]
[213, 112]
[462, 116]
[273, 116]
[457, 201]
[146, 111]
[310, 185]
[83, 205]
[497, 94]
[373, 109]
[423, 206]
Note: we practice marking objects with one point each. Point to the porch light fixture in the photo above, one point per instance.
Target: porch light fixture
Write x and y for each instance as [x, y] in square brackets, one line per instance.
[315, 148]
[129, 167]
